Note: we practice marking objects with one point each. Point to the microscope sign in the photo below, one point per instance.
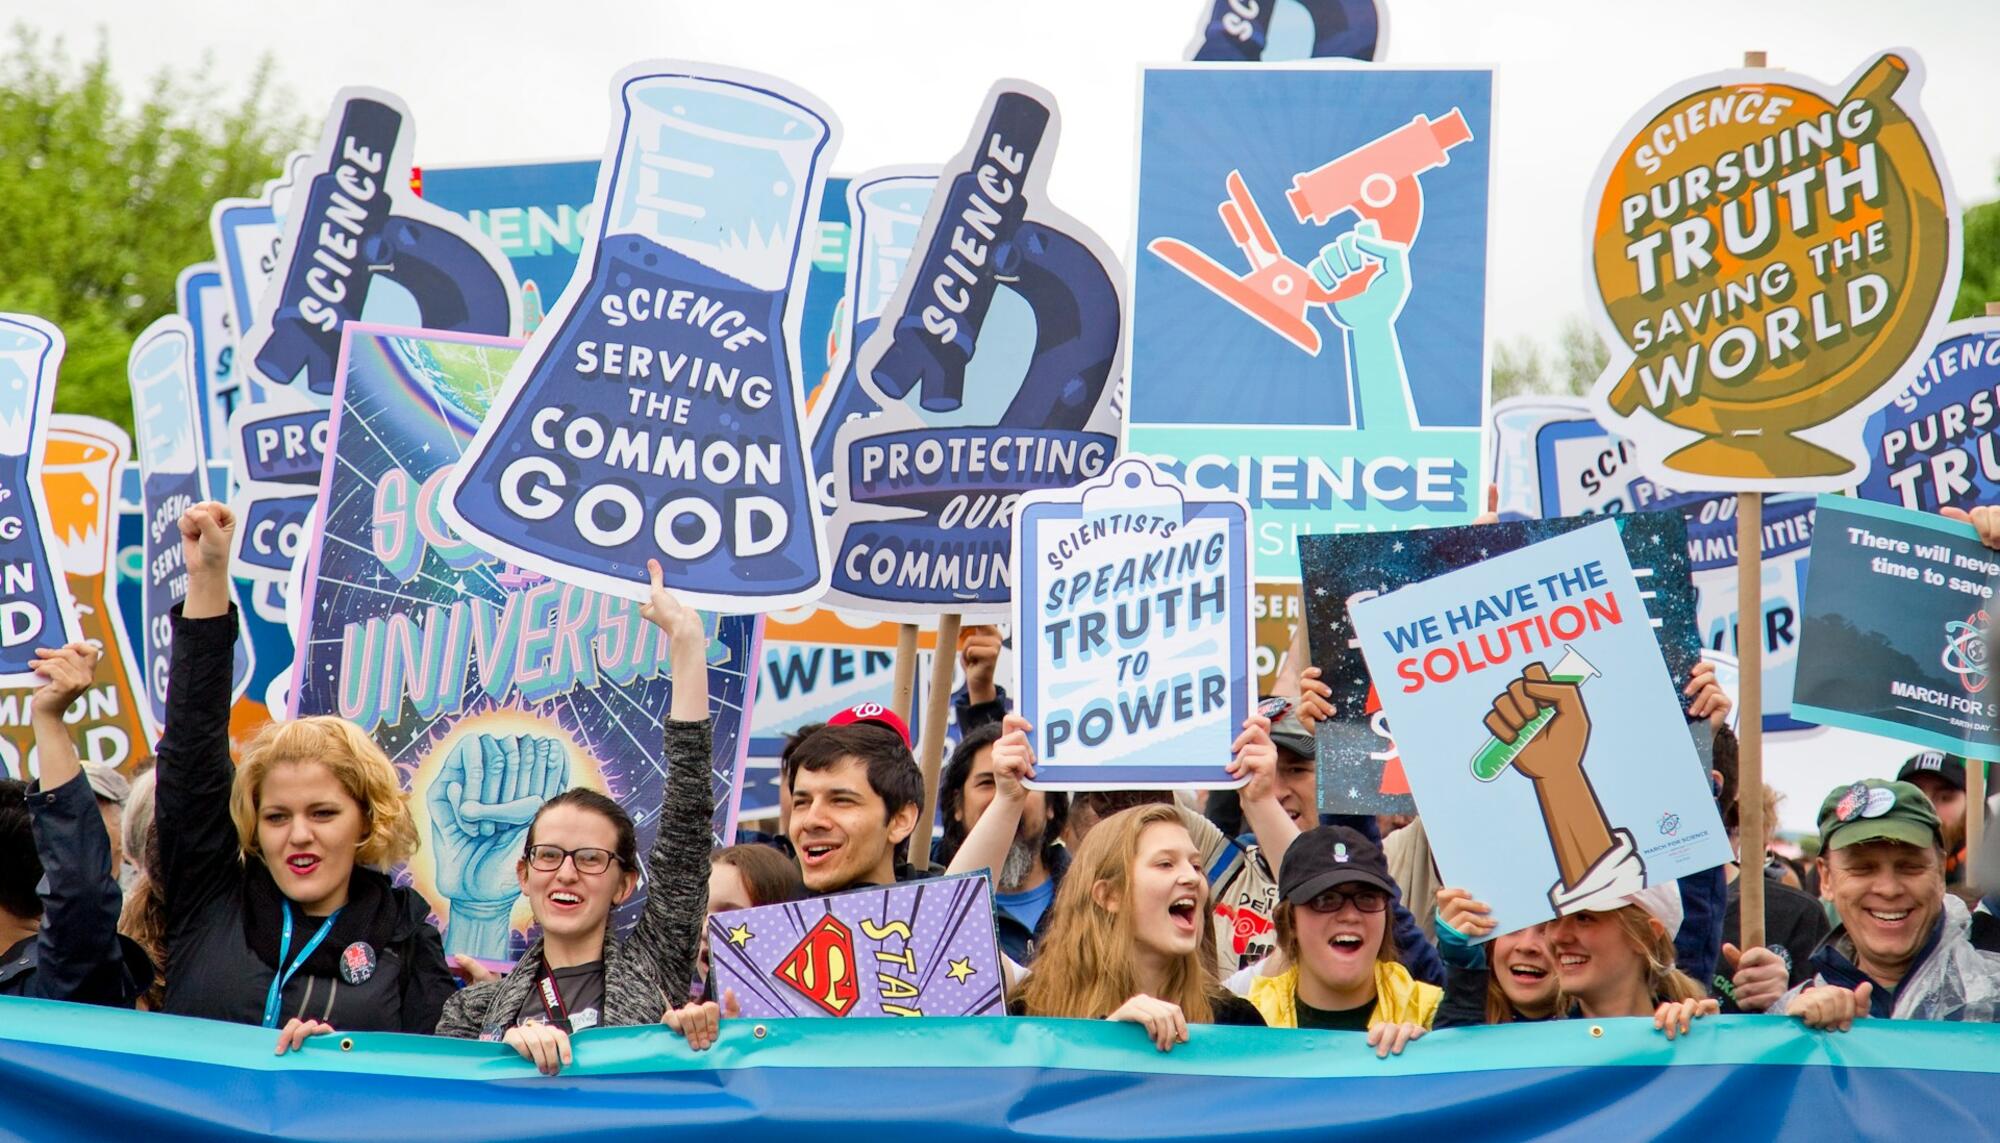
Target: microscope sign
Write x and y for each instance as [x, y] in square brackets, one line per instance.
[658, 411]
[1771, 254]
[994, 370]
[1325, 362]
[1133, 615]
[1540, 729]
[1275, 31]
[34, 610]
[355, 220]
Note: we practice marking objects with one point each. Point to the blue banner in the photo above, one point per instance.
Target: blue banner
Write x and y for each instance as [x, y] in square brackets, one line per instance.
[80, 1074]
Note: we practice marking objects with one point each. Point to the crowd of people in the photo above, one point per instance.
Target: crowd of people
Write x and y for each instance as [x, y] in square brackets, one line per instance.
[260, 891]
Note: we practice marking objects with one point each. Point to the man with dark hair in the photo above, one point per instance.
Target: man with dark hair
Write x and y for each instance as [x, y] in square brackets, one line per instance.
[855, 791]
[1025, 884]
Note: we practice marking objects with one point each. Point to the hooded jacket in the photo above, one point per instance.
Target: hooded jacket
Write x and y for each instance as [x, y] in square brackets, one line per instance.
[651, 968]
[1399, 997]
[1951, 979]
[381, 967]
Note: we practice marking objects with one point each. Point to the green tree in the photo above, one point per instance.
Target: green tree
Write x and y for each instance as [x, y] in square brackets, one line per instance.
[1980, 282]
[104, 200]
[1521, 368]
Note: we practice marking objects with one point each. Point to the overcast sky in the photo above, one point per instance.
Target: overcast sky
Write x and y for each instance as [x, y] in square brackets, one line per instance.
[507, 79]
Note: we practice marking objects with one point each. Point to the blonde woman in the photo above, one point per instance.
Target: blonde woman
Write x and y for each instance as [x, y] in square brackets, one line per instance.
[1131, 939]
[1620, 962]
[278, 912]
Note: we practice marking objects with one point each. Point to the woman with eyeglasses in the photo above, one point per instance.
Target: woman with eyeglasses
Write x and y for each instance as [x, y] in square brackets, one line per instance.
[580, 862]
[1333, 928]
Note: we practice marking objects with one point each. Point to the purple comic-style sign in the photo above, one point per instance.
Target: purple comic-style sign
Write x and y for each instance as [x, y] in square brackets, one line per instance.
[924, 948]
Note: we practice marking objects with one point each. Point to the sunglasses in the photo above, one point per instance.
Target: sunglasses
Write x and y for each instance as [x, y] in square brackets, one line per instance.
[549, 858]
[1366, 900]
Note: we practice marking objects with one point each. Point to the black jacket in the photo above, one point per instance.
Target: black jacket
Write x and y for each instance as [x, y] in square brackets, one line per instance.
[78, 954]
[224, 914]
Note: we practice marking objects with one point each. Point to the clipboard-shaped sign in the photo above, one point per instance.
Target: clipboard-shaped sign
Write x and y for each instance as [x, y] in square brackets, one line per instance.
[1133, 629]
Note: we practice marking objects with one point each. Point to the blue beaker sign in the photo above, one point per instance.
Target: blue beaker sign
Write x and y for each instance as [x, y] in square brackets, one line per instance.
[34, 605]
[657, 412]
[166, 405]
[354, 226]
[994, 370]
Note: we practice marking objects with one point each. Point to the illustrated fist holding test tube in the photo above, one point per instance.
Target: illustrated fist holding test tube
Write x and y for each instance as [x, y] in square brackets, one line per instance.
[1542, 728]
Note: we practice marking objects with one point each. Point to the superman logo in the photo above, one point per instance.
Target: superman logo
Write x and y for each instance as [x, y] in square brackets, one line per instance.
[821, 968]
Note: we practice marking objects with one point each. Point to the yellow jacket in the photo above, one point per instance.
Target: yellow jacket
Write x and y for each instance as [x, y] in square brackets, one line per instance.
[1399, 998]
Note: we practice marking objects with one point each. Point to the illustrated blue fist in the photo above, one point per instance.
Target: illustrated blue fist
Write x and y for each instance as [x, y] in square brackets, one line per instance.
[1381, 300]
[481, 803]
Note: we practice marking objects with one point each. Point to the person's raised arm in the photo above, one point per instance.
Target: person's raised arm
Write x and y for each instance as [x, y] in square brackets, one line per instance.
[80, 899]
[1256, 758]
[669, 929]
[66, 673]
[987, 842]
[198, 844]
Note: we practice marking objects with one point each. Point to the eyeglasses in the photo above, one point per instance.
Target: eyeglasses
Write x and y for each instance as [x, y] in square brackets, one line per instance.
[1366, 900]
[549, 858]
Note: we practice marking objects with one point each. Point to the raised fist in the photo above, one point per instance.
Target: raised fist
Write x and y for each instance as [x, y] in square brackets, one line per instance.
[481, 803]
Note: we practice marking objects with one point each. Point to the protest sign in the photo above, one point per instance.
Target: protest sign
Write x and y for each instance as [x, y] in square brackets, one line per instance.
[249, 237]
[885, 209]
[1896, 633]
[1542, 661]
[659, 415]
[280, 447]
[203, 302]
[1770, 253]
[166, 411]
[110, 723]
[1934, 445]
[537, 214]
[1552, 458]
[33, 610]
[1281, 30]
[1359, 767]
[1132, 605]
[448, 657]
[354, 219]
[1276, 612]
[1338, 380]
[924, 948]
[994, 368]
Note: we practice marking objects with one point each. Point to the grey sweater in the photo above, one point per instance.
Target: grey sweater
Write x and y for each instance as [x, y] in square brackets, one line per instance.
[652, 967]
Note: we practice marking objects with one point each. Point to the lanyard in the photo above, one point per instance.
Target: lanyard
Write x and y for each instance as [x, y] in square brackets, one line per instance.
[552, 1001]
[278, 981]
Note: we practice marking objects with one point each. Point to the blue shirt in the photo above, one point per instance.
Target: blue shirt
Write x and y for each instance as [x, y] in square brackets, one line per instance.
[1027, 906]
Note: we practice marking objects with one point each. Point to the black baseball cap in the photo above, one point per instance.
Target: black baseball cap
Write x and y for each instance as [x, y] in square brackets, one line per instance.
[1322, 858]
[1949, 768]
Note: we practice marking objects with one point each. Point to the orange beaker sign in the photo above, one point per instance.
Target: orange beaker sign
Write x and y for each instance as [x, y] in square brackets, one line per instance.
[1770, 252]
[79, 479]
